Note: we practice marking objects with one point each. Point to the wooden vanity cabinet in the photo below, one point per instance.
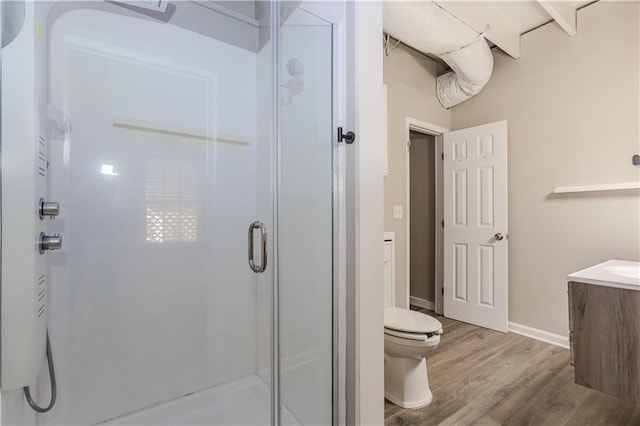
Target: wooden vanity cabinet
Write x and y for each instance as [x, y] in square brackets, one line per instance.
[604, 324]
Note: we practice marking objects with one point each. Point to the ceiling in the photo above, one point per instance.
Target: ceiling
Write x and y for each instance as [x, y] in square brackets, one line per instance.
[505, 21]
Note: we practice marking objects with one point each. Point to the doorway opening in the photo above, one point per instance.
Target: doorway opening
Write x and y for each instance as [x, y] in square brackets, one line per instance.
[424, 207]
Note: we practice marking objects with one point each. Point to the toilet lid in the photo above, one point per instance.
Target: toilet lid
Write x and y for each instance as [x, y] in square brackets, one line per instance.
[410, 321]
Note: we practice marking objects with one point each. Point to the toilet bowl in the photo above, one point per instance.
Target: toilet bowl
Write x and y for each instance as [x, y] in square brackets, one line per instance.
[408, 337]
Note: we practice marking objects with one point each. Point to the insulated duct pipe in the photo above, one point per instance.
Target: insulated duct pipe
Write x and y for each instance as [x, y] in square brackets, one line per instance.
[426, 27]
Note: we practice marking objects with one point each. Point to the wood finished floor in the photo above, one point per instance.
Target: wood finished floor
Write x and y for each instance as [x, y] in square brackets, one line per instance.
[483, 377]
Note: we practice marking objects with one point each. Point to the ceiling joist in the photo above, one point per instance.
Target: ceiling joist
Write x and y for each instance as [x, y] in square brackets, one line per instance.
[563, 12]
[499, 32]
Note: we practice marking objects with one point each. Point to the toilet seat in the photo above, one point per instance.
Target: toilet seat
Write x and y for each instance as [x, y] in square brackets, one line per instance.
[409, 348]
[421, 337]
[410, 324]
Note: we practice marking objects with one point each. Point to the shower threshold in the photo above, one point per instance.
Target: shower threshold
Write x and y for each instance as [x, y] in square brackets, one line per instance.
[245, 401]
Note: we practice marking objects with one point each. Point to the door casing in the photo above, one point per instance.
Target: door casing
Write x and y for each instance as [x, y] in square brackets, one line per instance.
[412, 124]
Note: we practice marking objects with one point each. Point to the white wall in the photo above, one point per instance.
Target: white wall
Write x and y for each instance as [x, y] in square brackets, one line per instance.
[368, 210]
[571, 104]
[411, 87]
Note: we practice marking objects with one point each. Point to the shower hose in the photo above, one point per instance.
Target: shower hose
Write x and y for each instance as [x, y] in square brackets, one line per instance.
[54, 387]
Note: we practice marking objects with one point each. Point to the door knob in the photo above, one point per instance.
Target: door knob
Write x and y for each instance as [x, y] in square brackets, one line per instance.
[498, 236]
[50, 242]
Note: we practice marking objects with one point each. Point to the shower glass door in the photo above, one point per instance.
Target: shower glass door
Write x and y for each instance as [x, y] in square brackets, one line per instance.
[181, 139]
[161, 155]
[305, 212]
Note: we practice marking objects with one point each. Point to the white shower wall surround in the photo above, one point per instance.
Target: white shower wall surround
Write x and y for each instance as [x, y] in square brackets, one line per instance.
[152, 296]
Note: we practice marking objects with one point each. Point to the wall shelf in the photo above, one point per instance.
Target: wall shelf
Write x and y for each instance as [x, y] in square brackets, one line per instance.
[594, 188]
[170, 129]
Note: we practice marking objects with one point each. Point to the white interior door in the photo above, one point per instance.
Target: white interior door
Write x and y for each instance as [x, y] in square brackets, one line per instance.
[475, 227]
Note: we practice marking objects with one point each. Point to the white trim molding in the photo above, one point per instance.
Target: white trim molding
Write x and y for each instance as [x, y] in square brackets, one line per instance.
[390, 237]
[422, 303]
[535, 333]
[436, 131]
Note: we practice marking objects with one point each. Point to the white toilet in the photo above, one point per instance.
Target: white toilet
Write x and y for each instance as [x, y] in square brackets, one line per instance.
[408, 337]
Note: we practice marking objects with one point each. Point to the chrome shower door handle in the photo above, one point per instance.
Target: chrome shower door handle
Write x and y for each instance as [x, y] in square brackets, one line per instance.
[263, 246]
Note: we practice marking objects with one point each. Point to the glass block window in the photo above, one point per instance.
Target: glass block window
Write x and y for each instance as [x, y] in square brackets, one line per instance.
[172, 202]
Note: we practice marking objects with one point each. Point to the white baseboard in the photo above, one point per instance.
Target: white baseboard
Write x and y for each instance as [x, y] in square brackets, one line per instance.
[422, 303]
[534, 333]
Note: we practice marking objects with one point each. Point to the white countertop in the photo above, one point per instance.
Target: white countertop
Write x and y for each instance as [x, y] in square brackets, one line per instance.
[612, 273]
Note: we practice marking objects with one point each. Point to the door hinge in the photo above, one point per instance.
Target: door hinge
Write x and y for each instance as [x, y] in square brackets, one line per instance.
[442, 291]
[409, 144]
[442, 223]
[442, 156]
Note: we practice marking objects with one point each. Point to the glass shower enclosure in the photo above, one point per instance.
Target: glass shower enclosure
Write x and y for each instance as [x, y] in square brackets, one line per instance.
[190, 147]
